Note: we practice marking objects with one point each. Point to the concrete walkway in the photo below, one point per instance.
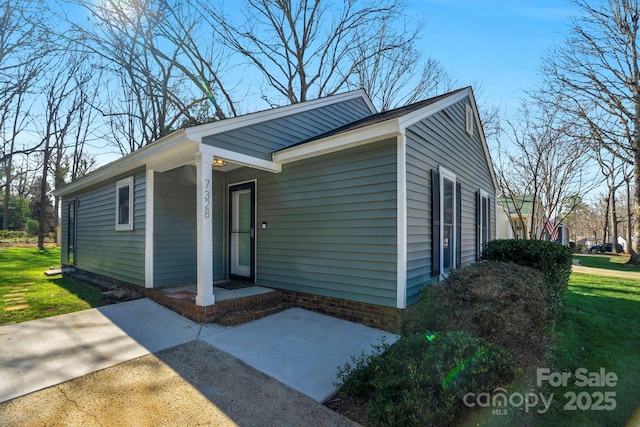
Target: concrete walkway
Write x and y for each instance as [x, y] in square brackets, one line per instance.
[297, 347]
[45, 352]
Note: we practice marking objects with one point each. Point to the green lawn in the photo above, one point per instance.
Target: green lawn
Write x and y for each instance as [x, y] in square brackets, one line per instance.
[22, 283]
[600, 328]
[610, 262]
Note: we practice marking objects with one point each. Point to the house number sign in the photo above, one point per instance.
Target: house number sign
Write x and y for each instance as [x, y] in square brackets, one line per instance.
[207, 199]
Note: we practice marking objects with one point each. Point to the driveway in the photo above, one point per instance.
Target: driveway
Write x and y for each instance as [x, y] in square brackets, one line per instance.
[140, 363]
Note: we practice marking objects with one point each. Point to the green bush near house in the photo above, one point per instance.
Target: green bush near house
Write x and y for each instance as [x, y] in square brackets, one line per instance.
[423, 378]
[32, 227]
[500, 302]
[552, 259]
[10, 237]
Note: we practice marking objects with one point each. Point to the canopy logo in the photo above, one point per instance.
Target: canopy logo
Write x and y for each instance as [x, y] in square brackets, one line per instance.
[598, 400]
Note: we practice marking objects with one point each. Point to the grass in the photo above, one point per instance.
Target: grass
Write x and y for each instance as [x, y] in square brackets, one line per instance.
[600, 328]
[22, 282]
[609, 262]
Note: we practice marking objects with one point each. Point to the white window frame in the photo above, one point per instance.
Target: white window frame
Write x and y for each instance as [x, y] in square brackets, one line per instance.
[484, 195]
[126, 182]
[447, 174]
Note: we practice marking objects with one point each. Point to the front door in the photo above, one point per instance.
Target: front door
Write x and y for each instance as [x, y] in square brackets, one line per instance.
[242, 231]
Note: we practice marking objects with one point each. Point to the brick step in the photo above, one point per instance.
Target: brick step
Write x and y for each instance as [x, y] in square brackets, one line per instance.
[240, 317]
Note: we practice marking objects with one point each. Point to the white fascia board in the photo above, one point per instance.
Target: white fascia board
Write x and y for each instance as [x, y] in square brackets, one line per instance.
[342, 141]
[129, 162]
[174, 156]
[401, 279]
[241, 159]
[196, 133]
[415, 116]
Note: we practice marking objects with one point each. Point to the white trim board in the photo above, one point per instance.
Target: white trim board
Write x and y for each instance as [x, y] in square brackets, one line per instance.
[148, 232]
[401, 179]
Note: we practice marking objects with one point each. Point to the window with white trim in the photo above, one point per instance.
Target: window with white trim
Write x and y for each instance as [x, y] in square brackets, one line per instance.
[484, 213]
[448, 223]
[124, 204]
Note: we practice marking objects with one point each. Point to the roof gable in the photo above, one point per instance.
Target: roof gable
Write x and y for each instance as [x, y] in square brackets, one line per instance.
[384, 125]
[260, 139]
[181, 145]
[376, 118]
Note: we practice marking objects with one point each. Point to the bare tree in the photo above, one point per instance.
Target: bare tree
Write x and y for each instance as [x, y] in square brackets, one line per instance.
[542, 165]
[158, 68]
[598, 70]
[308, 49]
[23, 45]
[389, 75]
[14, 115]
[62, 105]
[627, 173]
[611, 169]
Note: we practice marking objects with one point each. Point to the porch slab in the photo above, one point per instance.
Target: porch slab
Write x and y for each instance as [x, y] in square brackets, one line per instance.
[181, 299]
[219, 293]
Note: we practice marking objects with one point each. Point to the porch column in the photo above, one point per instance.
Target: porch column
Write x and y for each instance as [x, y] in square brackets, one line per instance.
[148, 232]
[204, 220]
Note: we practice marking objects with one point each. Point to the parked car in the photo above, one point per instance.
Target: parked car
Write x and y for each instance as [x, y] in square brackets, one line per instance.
[608, 247]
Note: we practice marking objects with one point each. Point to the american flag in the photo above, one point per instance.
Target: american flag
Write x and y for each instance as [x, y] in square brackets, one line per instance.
[553, 233]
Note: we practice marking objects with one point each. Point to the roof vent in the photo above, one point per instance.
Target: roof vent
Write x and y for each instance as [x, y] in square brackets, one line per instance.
[469, 120]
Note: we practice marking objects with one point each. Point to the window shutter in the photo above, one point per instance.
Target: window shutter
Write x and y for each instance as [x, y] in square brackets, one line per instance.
[435, 224]
[478, 224]
[458, 225]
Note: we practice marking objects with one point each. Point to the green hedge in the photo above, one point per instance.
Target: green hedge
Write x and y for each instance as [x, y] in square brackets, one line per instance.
[422, 379]
[500, 302]
[552, 259]
[8, 237]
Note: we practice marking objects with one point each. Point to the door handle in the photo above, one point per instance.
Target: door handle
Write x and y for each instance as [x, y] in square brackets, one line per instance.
[253, 233]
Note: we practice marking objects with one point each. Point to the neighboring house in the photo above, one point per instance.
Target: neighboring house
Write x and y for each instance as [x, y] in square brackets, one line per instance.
[322, 198]
[511, 226]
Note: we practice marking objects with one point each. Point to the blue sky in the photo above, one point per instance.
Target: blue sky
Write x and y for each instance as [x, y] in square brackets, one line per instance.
[495, 43]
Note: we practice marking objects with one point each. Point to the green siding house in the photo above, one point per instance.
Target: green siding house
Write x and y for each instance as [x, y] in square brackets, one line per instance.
[325, 198]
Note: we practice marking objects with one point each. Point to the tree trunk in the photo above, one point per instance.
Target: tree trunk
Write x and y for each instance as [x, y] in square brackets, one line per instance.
[629, 216]
[43, 197]
[58, 180]
[614, 221]
[605, 228]
[635, 254]
[7, 194]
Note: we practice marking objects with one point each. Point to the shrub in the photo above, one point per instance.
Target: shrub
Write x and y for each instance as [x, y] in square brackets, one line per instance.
[552, 259]
[422, 380]
[500, 302]
[32, 227]
[10, 237]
